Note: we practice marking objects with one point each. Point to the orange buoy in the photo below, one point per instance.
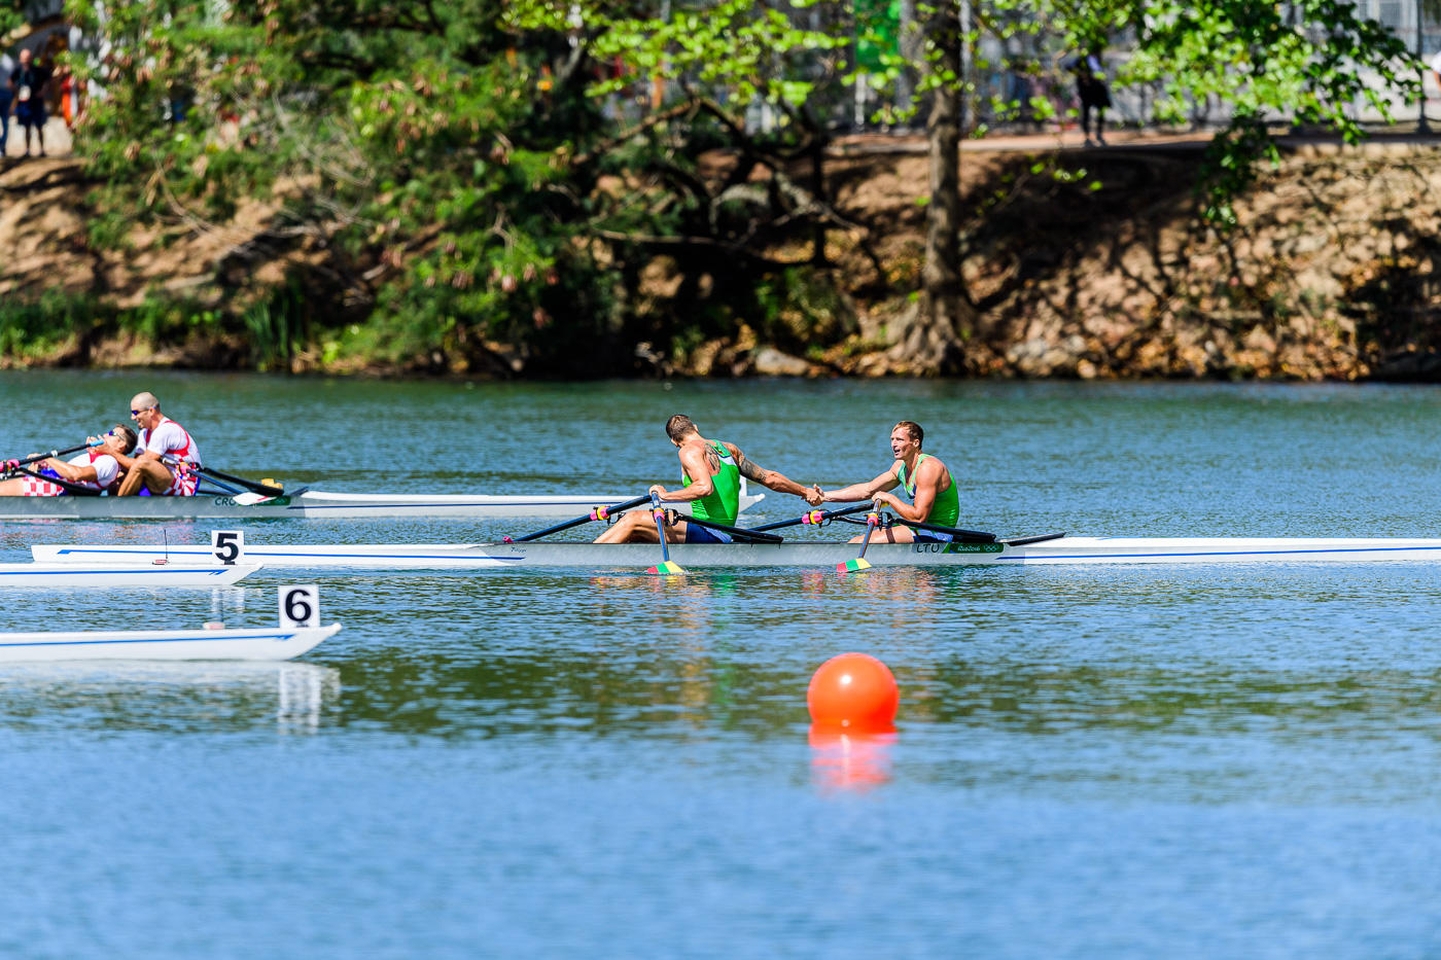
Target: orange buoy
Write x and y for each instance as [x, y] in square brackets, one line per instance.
[853, 691]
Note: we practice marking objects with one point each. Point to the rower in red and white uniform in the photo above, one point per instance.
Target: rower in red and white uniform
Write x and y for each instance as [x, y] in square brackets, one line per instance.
[96, 469]
[168, 457]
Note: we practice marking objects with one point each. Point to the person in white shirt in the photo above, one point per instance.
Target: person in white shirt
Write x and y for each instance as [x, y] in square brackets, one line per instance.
[97, 469]
[168, 459]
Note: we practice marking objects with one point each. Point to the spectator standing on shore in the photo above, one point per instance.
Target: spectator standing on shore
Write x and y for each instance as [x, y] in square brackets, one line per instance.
[1093, 94]
[28, 83]
[7, 100]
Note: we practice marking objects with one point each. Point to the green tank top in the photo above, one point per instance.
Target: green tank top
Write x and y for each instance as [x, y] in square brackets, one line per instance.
[724, 501]
[946, 508]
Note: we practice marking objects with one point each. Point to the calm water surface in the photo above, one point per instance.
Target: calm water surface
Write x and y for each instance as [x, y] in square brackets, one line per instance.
[1186, 761]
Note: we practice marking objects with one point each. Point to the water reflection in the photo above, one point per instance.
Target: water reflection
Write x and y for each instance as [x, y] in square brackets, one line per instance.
[853, 762]
[186, 697]
[681, 602]
[304, 691]
[915, 585]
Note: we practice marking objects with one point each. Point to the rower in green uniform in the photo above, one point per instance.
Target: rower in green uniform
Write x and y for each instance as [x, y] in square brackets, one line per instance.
[923, 478]
[711, 472]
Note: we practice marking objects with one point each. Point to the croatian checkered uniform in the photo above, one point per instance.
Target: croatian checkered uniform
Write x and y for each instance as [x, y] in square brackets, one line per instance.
[107, 469]
[170, 439]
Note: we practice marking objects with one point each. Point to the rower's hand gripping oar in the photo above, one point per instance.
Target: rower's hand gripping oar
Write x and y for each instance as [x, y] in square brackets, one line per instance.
[598, 513]
[666, 565]
[16, 463]
[873, 520]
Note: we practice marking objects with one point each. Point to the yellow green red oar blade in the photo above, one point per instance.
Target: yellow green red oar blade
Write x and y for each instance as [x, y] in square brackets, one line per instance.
[667, 566]
[873, 520]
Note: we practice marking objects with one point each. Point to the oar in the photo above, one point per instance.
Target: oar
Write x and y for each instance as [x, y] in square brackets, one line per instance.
[267, 489]
[597, 513]
[814, 516]
[221, 489]
[873, 520]
[741, 534]
[37, 457]
[958, 535]
[73, 489]
[666, 565]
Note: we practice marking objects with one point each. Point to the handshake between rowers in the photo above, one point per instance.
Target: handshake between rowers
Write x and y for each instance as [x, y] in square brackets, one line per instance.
[711, 472]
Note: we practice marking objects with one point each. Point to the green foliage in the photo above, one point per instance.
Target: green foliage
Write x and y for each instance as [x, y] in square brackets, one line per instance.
[160, 318]
[740, 51]
[798, 307]
[275, 327]
[12, 16]
[32, 329]
[418, 140]
[1304, 63]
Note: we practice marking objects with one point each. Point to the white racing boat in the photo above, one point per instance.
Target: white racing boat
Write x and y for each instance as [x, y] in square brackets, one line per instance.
[313, 504]
[1050, 550]
[276, 643]
[70, 575]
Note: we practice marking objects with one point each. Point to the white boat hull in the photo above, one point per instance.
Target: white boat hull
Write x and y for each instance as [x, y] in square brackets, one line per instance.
[399, 556]
[93, 574]
[314, 504]
[238, 644]
[1059, 551]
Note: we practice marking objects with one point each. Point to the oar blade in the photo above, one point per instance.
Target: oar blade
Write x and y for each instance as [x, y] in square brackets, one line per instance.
[667, 566]
[873, 520]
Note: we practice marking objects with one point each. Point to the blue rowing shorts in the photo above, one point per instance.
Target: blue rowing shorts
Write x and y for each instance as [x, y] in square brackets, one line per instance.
[695, 533]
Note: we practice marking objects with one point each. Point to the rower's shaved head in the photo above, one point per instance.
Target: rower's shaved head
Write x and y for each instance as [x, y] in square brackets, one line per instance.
[144, 401]
[679, 427]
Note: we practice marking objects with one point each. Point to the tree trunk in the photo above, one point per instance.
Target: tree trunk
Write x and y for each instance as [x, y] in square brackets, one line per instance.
[931, 340]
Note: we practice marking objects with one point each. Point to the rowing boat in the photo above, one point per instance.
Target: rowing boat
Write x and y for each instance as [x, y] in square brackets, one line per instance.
[101, 574]
[1025, 551]
[313, 504]
[278, 643]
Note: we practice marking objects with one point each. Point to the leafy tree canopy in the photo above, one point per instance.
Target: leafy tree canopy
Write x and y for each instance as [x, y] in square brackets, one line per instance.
[480, 170]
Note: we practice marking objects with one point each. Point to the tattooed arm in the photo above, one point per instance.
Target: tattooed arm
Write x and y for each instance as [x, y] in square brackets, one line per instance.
[772, 479]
